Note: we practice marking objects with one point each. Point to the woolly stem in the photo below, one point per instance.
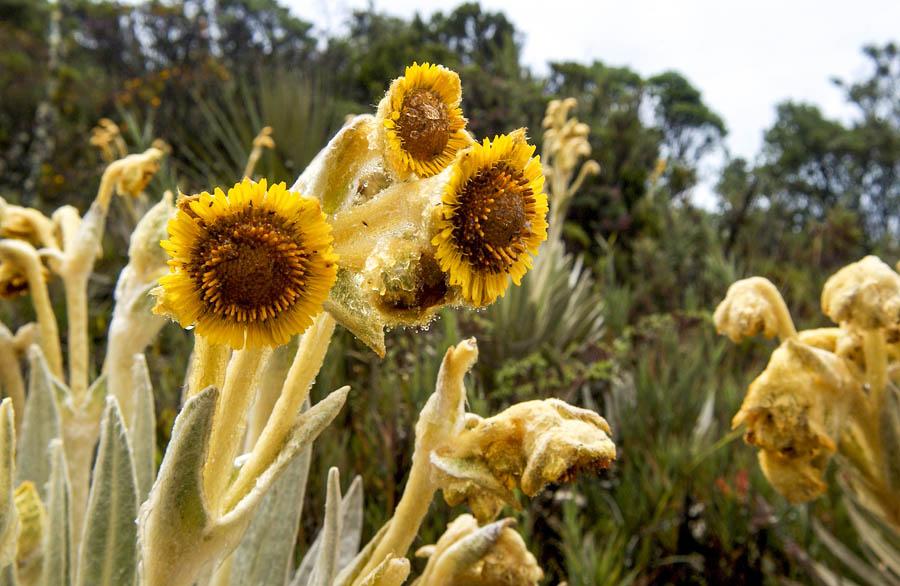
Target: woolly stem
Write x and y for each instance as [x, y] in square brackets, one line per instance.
[230, 420]
[875, 350]
[307, 363]
[12, 384]
[408, 516]
[207, 368]
[786, 329]
[78, 343]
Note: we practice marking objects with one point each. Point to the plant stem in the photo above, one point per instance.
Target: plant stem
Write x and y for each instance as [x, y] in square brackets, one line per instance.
[786, 329]
[408, 516]
[78, 342]
[875, 350]
[230, 420]
[307, 363]
[207, 369]
[11, 382]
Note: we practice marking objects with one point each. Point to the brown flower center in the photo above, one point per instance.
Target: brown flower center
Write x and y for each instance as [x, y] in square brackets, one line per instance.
[424, 124]
[250, 266]
[490, 222]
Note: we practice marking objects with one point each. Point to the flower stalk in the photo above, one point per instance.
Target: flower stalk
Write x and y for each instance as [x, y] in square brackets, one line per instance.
[230, 420]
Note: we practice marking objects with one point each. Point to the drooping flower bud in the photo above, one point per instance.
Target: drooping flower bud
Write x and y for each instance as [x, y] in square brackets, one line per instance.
[752, 307]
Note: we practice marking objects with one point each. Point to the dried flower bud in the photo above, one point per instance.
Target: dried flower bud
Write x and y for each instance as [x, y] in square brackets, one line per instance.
[865, 294]
[798, 480]
[264, 139]
[26, 224]
[844, 343]
[137, 172]
[466, 554]
[796, 409]
[529, 445]
[751, 307]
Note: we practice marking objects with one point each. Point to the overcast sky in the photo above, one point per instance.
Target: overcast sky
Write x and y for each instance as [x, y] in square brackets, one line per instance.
[744, 56]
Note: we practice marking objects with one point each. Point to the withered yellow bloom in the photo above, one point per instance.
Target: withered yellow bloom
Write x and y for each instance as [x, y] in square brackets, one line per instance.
[422, 121]
[251, 267]
[492, 218]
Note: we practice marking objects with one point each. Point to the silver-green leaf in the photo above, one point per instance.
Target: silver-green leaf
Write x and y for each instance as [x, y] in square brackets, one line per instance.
[108, 555]
[143, 427]
[351, 515]
[41, 424]
[56, 568]
[8, 520]
[265, 554]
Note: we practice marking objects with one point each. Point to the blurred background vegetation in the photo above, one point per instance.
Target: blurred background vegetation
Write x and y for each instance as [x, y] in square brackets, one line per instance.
[644, 266]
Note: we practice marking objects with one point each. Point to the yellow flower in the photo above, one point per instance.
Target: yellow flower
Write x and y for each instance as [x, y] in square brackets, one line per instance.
[253, 266]
[423, 126]
[492, 217]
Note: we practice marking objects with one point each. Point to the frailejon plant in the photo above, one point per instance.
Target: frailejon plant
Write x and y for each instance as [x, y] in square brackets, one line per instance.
[402, 214]
[830, 394]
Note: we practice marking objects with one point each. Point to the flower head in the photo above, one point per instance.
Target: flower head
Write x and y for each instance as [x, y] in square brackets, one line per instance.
[137, 171]
[751, 307]
[796, 412]
[26, 224]
[529, 445]
[865, 294]
[422, 123]
[253, 266]
[492, 217]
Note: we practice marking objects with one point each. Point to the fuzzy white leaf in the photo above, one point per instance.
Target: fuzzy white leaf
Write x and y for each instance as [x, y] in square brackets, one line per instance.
[8, 519]
[351, 534]
[56, 569]
[265, 554]
[326, 562]
[108, 555]
[41, 424]
[143, 427]
[176, 523]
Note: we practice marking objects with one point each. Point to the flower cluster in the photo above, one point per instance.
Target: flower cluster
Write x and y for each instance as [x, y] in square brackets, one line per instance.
[825, 391]
[403, 213]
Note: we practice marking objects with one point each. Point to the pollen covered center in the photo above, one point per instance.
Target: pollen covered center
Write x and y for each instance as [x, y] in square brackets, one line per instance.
[490, 222]
[424, 124]
[250, 266]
